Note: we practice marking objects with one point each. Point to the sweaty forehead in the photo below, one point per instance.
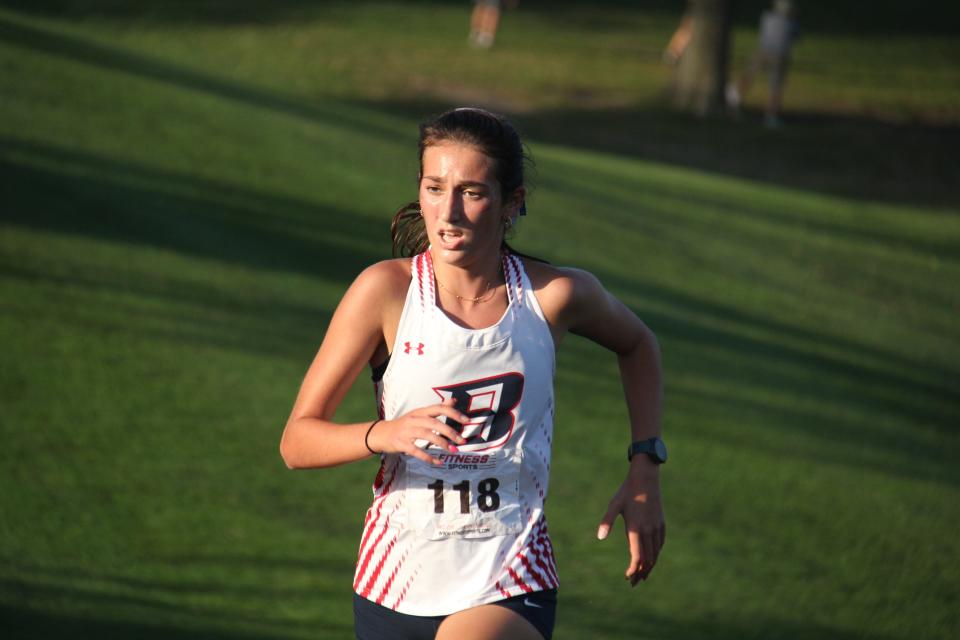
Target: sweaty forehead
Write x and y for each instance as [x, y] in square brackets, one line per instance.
[457, 162]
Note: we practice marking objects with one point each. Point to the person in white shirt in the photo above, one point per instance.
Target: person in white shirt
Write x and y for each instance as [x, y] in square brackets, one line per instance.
[778, 31]
[461, 335]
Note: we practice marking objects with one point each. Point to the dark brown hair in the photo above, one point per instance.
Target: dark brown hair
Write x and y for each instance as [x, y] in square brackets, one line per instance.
[492, 135]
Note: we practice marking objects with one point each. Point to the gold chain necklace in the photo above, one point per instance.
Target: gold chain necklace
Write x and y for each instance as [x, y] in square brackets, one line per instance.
[479, 298]
[461, 298]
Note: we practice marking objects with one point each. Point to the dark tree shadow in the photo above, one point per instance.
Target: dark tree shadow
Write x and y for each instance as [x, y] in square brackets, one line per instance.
[840, 17]
[34, 625]
[52, 189]
[847, 17]
[76, 192]
[128, 606]
[79, 49]
[601, 622]
[176, 11]
[845, 156]
[848, 156]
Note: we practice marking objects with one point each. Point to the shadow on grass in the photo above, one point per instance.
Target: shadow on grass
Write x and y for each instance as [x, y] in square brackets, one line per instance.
[808, 219]
[189, 314]
[843, 16]
[855, 157]
[839, 17]
[597, 621]
[887, 381]
[79, 49]
[50, 189]
[239, 596]
[848, 156]
[74, 192]
[765, 385]
[35, 625]
[165, 11]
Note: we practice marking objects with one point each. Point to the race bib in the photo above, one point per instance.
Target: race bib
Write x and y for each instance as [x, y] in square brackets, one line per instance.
[473, 495]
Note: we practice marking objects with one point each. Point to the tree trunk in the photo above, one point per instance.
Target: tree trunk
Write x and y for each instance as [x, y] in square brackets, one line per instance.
[700, 78]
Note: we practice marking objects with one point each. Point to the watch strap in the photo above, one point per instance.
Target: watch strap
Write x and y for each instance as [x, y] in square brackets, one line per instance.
[652, 447]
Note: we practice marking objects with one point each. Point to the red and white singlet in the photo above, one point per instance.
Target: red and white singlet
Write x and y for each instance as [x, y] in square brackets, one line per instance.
[440, 539]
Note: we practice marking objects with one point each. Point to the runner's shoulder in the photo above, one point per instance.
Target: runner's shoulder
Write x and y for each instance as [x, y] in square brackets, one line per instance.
[384, 281]
[561, 285]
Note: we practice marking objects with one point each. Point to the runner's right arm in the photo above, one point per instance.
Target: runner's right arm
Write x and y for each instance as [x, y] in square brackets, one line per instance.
[310, 438]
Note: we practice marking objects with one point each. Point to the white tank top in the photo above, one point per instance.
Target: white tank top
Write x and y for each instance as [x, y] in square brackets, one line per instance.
[440, 539]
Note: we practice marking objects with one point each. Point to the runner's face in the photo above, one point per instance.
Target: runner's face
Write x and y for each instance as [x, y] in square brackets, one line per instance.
[462, 206]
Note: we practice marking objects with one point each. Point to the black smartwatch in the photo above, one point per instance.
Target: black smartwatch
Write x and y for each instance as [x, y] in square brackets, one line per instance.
[654, 447]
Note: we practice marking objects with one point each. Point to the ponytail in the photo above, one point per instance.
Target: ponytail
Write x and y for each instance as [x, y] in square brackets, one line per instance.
[407, 231]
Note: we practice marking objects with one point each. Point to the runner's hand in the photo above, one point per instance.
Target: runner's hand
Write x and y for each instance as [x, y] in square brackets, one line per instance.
[401, 435]
[638, 501]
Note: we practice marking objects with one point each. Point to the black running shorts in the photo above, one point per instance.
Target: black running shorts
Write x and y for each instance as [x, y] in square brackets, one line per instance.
[375, 622]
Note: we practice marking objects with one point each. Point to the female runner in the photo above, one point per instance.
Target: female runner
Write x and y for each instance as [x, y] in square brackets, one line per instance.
[461, 339]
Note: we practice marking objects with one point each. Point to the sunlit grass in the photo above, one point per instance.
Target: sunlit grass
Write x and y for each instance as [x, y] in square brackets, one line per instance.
[184, 203]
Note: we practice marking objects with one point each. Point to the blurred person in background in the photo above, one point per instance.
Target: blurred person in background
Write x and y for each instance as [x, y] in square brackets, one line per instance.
[679, 40]
[485, 20]
[461, 338]
[778, 31]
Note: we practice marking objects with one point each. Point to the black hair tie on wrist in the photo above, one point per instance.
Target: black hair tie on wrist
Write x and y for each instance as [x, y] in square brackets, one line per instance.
[366, 437]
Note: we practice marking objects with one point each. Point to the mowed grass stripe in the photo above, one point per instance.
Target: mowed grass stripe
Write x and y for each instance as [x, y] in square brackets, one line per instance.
[174, 239]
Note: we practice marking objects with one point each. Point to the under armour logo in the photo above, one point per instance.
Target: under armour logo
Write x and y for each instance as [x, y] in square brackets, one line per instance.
[419, 348]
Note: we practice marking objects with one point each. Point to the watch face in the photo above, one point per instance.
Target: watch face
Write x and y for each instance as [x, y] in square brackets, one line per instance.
[660, 449]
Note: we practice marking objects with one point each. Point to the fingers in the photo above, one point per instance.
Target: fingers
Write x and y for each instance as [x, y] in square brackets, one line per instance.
[633, 572]
[644, 547]
[650, 545]
[447, 409]
[428, 416]
[606, 523]
[436, 432]
[649, 551]
[421, 428]
[441, 438]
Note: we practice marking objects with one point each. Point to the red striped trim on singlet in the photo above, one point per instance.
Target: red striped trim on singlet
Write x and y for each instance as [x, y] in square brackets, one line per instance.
[510, 278]
[541, 571]
[362, 569]
[406, 587]
[543, 558]
[540, 579]
[543, 541]
[378, 568]
[517, 580]
[422, 270]
[393, 575]
[532, 567]
[431, 278]
[418, 269]
[373, 515]
[517, 270]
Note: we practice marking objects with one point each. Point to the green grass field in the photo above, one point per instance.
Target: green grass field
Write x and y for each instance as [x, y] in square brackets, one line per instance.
[186, 189]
